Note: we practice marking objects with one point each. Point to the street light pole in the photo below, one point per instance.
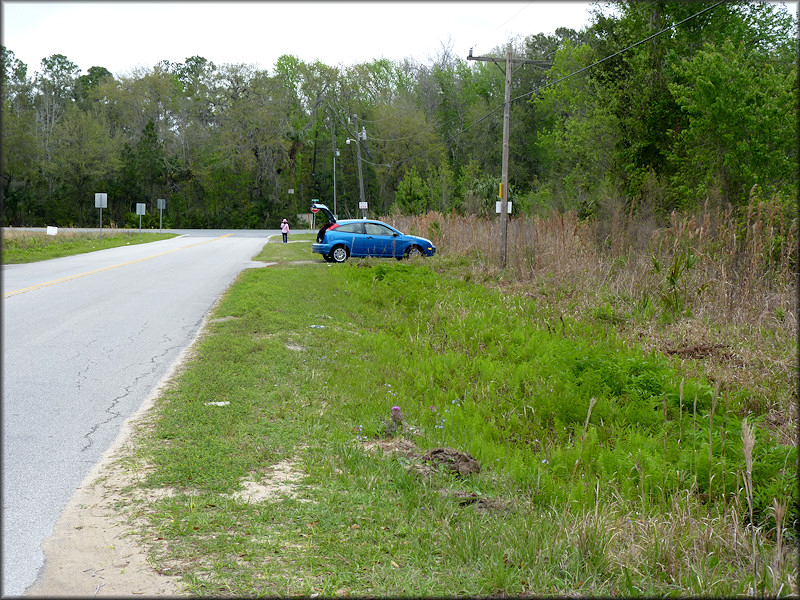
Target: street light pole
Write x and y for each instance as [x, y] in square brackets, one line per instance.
[335, 154]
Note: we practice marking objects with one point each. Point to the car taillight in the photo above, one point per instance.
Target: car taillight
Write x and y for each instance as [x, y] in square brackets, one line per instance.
[334, 226]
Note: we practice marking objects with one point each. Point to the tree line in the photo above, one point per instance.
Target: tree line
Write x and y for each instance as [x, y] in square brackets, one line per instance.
[704, 112]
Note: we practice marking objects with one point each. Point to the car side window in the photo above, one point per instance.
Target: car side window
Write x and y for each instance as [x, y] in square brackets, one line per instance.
[376, 229]
[351, 228]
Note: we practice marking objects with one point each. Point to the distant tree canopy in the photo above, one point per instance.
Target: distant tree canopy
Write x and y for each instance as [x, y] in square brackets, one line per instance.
[706, 112]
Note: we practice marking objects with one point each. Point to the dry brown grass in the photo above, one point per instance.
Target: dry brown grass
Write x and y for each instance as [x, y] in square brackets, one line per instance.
[35, 237]
[741, 327]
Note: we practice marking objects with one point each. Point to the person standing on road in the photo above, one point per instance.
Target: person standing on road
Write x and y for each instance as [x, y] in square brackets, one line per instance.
[285, 230]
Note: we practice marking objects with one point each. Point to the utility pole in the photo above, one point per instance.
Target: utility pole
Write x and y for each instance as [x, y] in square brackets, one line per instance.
[510, 60]
[504, 171]
[360, 135]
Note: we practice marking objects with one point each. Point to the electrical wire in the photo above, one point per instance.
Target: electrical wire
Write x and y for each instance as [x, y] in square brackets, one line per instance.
[402, 139]
[514, 16]
[639, 43]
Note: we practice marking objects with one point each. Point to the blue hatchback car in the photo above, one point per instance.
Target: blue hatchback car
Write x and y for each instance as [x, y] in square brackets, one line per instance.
[338, 240]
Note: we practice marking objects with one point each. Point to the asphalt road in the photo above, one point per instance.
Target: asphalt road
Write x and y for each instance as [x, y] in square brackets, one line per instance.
[85, 341]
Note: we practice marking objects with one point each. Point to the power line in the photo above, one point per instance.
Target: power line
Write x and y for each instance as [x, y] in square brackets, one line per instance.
[514, 16]
[402, 139]
[639, 43]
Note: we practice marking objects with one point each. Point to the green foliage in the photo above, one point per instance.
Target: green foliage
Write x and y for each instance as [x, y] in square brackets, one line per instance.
[413, 194]
[481, 194]
[718, 103]
[486, 381]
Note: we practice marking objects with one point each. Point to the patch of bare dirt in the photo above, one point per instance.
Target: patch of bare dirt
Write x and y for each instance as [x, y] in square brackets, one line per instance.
[399, 446]
[281, 483]
[223, 319]
[701, 350]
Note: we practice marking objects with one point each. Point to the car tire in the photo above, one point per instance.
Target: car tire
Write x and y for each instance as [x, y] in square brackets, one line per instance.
[413, 252]
[327, 257]
[339, 254]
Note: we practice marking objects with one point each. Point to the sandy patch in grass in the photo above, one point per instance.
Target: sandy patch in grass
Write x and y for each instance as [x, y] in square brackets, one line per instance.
[282, 483]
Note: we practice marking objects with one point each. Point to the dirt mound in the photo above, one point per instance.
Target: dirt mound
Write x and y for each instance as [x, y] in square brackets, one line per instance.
[452, 460]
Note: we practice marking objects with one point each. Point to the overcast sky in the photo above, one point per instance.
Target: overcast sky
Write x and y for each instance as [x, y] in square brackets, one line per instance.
[123, 35]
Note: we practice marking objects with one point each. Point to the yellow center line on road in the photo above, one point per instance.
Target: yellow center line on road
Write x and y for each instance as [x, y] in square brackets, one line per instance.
[109, 268]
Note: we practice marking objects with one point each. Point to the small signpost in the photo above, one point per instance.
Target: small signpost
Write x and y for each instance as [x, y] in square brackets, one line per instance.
[162, 204]
[363, 207]
[101, 202]
[141, 209]
[314, 211]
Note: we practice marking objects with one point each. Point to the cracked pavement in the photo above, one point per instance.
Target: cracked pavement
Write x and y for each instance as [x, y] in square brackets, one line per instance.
[81, 355]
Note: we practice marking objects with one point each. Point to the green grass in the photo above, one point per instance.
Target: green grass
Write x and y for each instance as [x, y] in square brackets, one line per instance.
[298, 249]
[32, 246]
[310, 358]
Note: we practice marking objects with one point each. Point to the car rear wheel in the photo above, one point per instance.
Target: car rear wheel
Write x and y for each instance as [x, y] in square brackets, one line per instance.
[413, 252]
[339, 254]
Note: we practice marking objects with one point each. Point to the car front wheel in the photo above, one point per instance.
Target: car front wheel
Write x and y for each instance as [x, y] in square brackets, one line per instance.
[339, 254]
[413, 252]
